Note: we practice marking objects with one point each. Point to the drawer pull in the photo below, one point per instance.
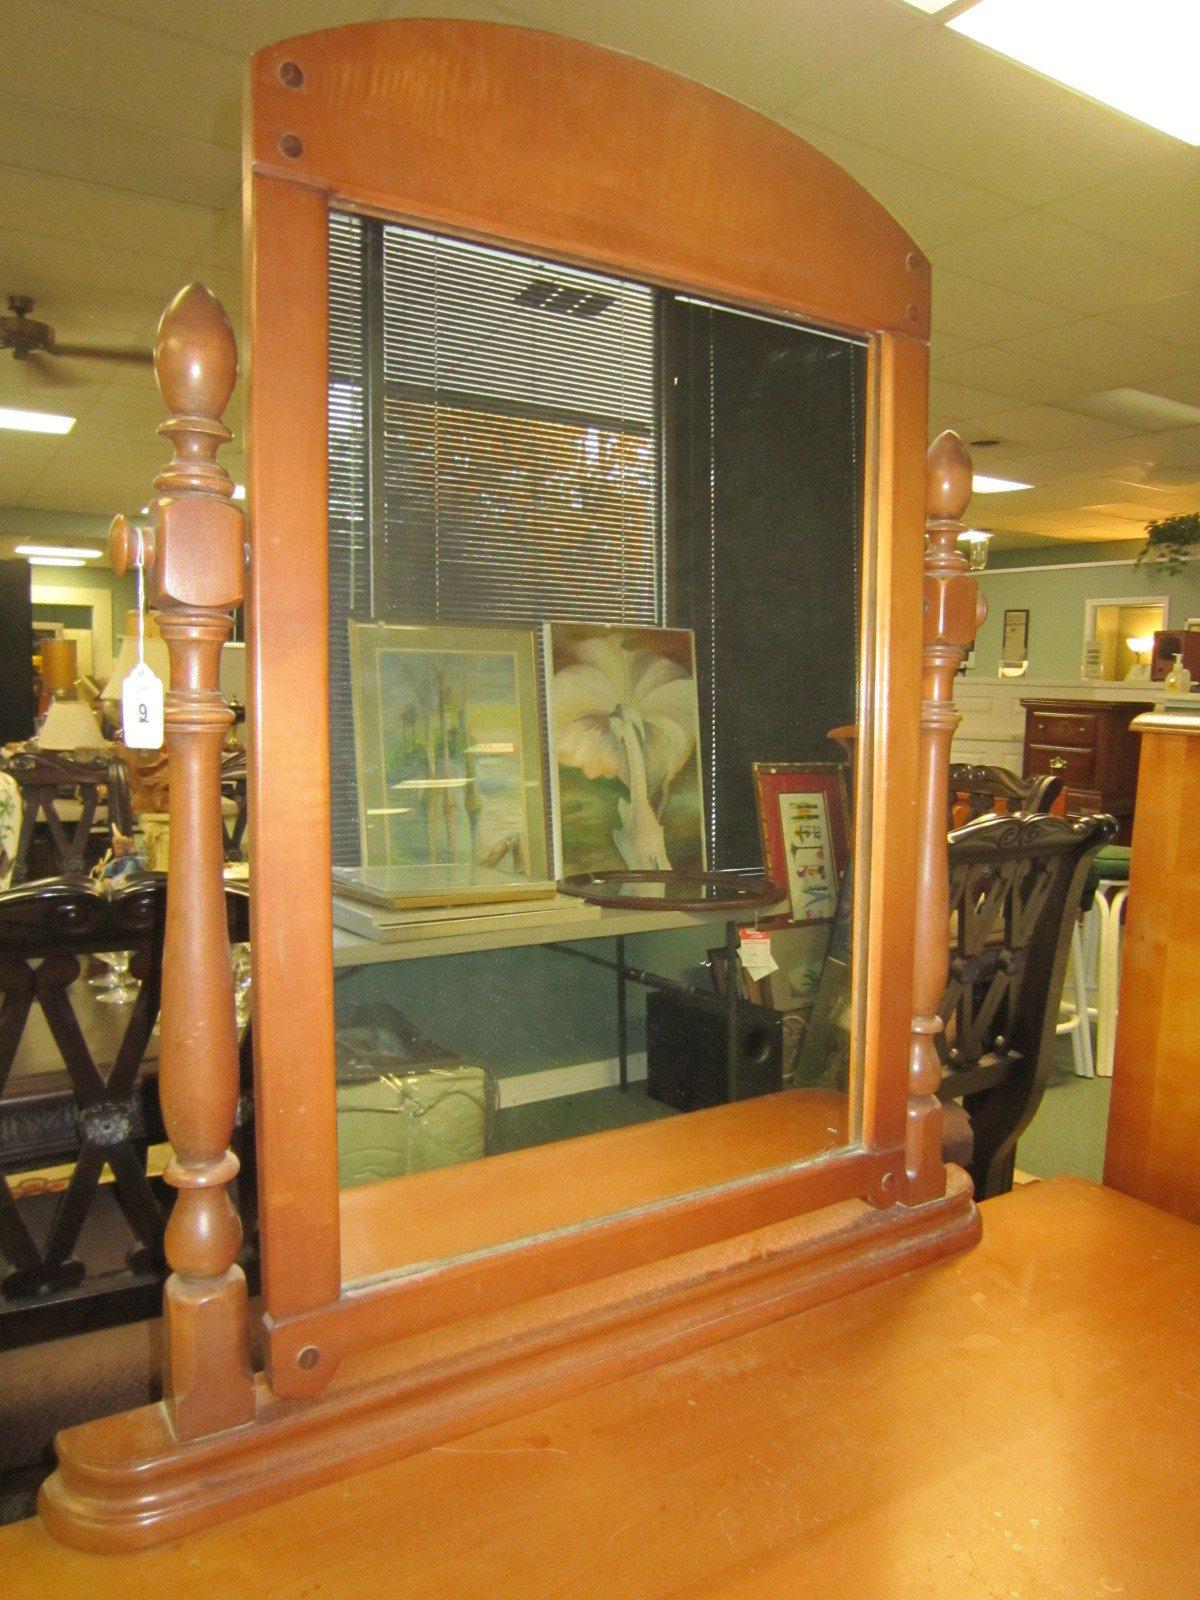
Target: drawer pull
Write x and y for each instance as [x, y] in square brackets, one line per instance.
[1057, 764]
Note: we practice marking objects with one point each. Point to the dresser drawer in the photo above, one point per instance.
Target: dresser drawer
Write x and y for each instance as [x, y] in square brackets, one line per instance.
[1062, 728]
[1074, 767]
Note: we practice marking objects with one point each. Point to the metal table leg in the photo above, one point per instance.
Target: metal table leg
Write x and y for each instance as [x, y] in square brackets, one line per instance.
[622, 1016]
[731, 1010]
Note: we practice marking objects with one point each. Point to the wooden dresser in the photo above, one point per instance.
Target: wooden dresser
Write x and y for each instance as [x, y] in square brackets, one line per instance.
[1088, 743]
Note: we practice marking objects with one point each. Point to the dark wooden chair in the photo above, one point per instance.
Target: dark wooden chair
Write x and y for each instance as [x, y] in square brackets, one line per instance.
[977, 790]
[1016, 883]
[47, 779]
[233, 787]
[64, 1250]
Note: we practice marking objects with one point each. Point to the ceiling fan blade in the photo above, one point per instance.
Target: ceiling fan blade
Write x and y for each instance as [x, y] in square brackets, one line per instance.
[90, 352]
[49, 372]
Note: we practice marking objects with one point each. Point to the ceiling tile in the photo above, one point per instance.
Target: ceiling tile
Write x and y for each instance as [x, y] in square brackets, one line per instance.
[764, 52]
[984, 312]
[103, 150]
[1040, 255]
[68, 56]
[1051, 428]
[929, 206]
[247, 25]
[1102, 349]
[944, 102]
[56, 207]
[1021, 377]
[1155, 210]
[1175, 319]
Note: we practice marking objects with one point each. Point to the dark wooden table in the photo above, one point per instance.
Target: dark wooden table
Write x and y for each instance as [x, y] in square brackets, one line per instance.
[1019, 1423]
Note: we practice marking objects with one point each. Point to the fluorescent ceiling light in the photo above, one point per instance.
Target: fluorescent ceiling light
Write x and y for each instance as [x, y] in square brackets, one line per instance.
[1137, 56]
[35, 421]
[54, 561]
[71, 551]
[1137, 409]
[982, 484]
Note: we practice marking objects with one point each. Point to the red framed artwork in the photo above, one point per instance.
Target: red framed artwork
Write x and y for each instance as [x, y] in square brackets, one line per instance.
[803, 821]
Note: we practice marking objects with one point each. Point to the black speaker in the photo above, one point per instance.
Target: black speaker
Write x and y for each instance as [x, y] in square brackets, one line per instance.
[685, 1050]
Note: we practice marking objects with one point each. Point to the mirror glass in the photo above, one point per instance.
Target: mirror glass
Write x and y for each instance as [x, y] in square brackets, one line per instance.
[595, 557]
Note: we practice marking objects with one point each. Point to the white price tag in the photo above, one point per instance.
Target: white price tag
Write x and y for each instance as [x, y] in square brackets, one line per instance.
[142, 709]
[754, 951]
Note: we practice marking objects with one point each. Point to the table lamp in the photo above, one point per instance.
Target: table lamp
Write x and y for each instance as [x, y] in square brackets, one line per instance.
[157, 658]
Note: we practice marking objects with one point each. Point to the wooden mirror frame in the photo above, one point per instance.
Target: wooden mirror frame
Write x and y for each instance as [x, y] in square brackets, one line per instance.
[541, 143]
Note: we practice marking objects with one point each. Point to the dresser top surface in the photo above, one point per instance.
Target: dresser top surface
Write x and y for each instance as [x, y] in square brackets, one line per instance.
[989, 1426]
[1085, 707]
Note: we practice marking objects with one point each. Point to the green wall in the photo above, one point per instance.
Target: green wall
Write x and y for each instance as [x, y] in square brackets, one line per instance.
[19, 524]
[1055, 593]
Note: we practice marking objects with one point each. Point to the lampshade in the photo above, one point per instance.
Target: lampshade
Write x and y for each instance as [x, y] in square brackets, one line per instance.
[70, 725]
[157, 659]
[60, 665]
[1140, 643]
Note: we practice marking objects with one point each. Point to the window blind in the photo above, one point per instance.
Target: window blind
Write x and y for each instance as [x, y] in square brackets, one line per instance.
[348, 559]
[493, 447]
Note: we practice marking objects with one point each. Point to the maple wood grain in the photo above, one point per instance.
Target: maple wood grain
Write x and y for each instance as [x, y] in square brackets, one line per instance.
[1054, 1458]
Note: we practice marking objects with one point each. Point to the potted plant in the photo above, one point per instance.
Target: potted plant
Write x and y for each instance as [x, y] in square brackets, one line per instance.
[1170, 540]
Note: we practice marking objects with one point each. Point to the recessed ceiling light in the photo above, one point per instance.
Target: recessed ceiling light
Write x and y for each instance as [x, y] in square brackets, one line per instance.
[1137, 58]
[35, 421]
[54, 561]
[982, 484]
[73, 552]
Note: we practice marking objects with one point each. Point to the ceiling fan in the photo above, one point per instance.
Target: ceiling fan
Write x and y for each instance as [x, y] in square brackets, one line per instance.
[33, 343]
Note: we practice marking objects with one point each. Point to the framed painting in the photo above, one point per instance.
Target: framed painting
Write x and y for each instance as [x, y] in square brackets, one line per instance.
[803, 824]
[624, 736]
[1014, 646]
[449, 761]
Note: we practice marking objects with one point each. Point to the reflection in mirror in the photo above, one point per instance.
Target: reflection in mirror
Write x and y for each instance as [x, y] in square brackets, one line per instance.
[594, 553]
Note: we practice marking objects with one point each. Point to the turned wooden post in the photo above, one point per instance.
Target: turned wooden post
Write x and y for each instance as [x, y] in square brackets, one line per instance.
[197, 555]
[953, 610]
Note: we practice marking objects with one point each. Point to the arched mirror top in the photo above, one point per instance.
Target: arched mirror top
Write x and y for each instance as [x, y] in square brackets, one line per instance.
[590, 155]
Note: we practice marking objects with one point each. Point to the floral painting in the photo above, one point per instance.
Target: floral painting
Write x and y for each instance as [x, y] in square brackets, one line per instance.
[624, 748]
[448, 750]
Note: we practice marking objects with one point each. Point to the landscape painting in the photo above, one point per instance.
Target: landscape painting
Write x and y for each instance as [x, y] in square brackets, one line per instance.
[448, 754]
[624, 749]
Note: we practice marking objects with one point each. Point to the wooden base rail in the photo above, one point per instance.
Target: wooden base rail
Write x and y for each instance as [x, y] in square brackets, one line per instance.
[127, 1482]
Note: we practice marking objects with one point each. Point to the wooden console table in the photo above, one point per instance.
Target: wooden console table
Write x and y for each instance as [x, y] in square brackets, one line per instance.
[1020, 1421]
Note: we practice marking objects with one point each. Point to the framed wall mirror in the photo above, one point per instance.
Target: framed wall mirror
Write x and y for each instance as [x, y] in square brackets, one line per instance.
[586, 471]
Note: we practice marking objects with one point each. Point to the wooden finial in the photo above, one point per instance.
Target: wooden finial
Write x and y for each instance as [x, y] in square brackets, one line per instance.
[195, 354]
[195, 359]
[948, 478]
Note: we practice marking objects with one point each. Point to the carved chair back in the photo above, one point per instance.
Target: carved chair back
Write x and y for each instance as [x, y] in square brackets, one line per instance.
[1015, 887]
[977, 790]
[48, 777]
[91, 1112]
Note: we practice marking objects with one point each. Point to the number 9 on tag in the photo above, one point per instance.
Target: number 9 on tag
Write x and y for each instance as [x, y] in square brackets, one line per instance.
[142, 709]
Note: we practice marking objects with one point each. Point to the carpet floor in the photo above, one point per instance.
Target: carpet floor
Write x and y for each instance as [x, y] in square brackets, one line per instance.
[1068, 1130]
